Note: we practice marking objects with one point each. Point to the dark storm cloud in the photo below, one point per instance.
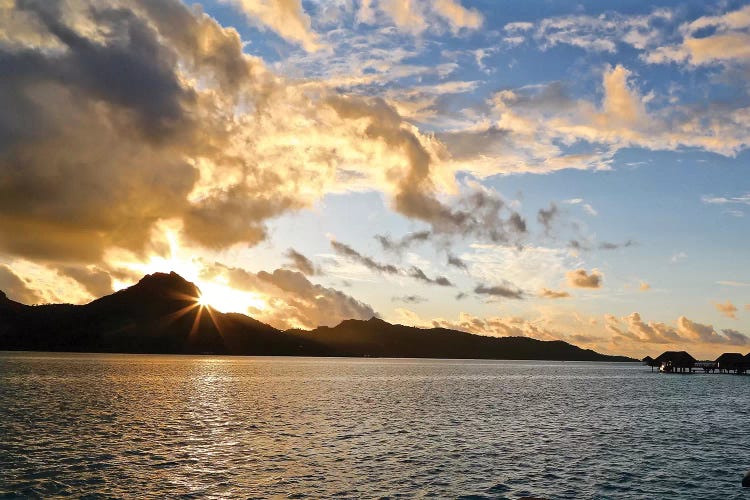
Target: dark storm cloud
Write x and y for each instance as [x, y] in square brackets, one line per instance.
[100, 130]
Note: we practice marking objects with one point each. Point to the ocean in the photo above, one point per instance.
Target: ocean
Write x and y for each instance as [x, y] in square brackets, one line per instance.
[152, 426]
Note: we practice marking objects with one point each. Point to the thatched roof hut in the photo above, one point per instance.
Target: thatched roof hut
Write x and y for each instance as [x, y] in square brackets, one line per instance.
[730, 361]
[648, 361]
[675, 361]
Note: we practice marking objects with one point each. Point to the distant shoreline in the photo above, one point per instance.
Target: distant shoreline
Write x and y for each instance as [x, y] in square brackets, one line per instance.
[224, 355]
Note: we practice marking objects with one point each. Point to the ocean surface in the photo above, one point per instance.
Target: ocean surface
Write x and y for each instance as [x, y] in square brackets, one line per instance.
[140, 426]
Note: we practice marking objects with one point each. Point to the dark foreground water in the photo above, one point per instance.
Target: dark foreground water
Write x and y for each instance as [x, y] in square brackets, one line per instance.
[168, 426]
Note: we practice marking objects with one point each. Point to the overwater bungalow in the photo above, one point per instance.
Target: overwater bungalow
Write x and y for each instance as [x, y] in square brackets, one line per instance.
[649, 361]
[745, 363]
[675, 362]
[730, 362]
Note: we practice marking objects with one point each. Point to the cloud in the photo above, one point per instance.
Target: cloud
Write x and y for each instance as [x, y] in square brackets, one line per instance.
[605, 245]
[456, 261]
[409, 299]
[546, 293]
[419, 275]
[534, 266]
[292, 300]
[727, 43]
[457, 15]
[478, 211]
[678, 257]
[706, 334]
[96, 281]
[301, 263]
[732, 283]
[686, 332]
[534, 128]
[728, 309]
[285, 17]
[164, 118]
[416, 17]
[644, 287]
[373, 265]
[493, 326]
[579, 278]
[143, 141]
[507, 291]
[547, 216]
[639, 331]
[16, 288]
[368, 262]
[399, 245]
[724, 200]
[602, 33]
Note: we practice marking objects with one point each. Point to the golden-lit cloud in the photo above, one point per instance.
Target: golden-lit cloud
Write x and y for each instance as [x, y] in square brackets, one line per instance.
[632, 329]
[528, 128]
[727, 43]
[17, 288]
[195, 131]
[285, 17]
[292, 300]
[546, 293]
[727, 309]
[494, 326]
[415, 17]
[580, 278]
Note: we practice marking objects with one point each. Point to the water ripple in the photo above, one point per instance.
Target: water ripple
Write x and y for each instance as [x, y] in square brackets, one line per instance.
[100, 426]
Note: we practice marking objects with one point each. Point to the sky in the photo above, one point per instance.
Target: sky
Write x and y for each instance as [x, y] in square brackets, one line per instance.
[556, 170]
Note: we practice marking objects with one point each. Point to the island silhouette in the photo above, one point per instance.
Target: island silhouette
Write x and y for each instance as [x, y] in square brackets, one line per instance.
[161, 314]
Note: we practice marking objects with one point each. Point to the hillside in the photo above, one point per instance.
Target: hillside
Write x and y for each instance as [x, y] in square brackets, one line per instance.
[161, 315]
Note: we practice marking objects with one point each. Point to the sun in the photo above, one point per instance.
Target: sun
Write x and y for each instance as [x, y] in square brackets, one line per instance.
[215, 293]
[224, 298]
[203, 301]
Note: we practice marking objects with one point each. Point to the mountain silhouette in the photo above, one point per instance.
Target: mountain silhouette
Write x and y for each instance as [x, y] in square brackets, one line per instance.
[161, 314]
